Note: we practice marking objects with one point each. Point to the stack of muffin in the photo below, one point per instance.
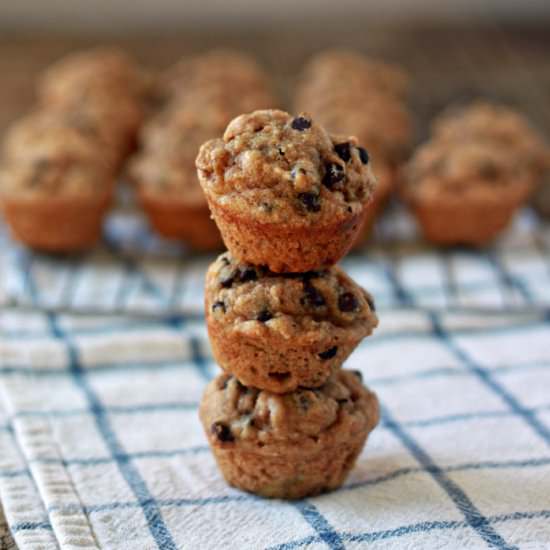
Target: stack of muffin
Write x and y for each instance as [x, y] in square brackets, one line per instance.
[480, 166]
[199, 96]
[351, 94]
[284, 420]
[60, 162]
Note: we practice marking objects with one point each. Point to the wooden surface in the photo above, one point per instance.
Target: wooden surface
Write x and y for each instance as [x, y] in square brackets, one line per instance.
[447, 64]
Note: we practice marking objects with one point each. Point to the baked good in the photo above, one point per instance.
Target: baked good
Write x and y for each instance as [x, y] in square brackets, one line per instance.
[281, 331]
[288, 446]
[283, 192]
[164, 170]
[466, 192]
[55, 185]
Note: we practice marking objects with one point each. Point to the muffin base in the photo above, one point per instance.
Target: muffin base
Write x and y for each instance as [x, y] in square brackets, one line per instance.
[286, 249]
[459, 220]
[175, 219]
[273, 363]
[56, 224]
[280, 477]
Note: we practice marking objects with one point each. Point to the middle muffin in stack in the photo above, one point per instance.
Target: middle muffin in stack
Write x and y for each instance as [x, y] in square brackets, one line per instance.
[284, 420]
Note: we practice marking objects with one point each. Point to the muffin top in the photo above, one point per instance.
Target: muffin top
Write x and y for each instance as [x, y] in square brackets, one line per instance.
[232, 70]
[53, 176]
[277, 168]
[103, 68]
[497, 123]
[325, 415]
[44, 154]
[251, 298]
[347, 69]
[43, 134]
[466, 167]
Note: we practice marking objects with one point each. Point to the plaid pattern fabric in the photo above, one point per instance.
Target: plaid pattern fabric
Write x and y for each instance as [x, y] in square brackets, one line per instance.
[115, 457]
[135, 273]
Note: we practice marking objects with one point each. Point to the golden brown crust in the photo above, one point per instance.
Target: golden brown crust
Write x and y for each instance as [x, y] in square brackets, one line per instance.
[288, 446]
[56, 224]
[180, 220]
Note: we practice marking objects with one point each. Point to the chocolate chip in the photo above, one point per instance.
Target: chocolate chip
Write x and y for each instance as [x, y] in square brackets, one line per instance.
[312, 297]
[370, 301]
[357, 373]
[295, 171]
[301, 123]
[343, 151]
[247, 274]
[363, 155]
[222, 432]
[488, 171]
[334, 173]
[347, 302]
[225, 260]
[264, 316]
[219, 305]
[342, 401]
[329, 353]
[304, 402]
[310, 201]
[228, 280]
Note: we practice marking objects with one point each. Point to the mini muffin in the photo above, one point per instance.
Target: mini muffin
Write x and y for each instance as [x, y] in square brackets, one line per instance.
[93, 70]
[283, 192]
[498, 124]
[164, 171]
[288, 446]
[281, 331]
[466, 192]
[55, 187]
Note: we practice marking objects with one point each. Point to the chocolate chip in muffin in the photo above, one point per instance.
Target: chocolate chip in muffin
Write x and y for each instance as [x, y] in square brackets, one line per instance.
[219, 306]
[39, 166]
[488, 171]
[312, 297]
[334, 174]
[225, 260]
[347, 302]
[264, 316]
[222, 432]
[310, 201]
[363, 155]
[329, 353]
[343, 151]
[226, 281]
[370, 302]
[357, 373]
[301, 123]
[247, 274]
